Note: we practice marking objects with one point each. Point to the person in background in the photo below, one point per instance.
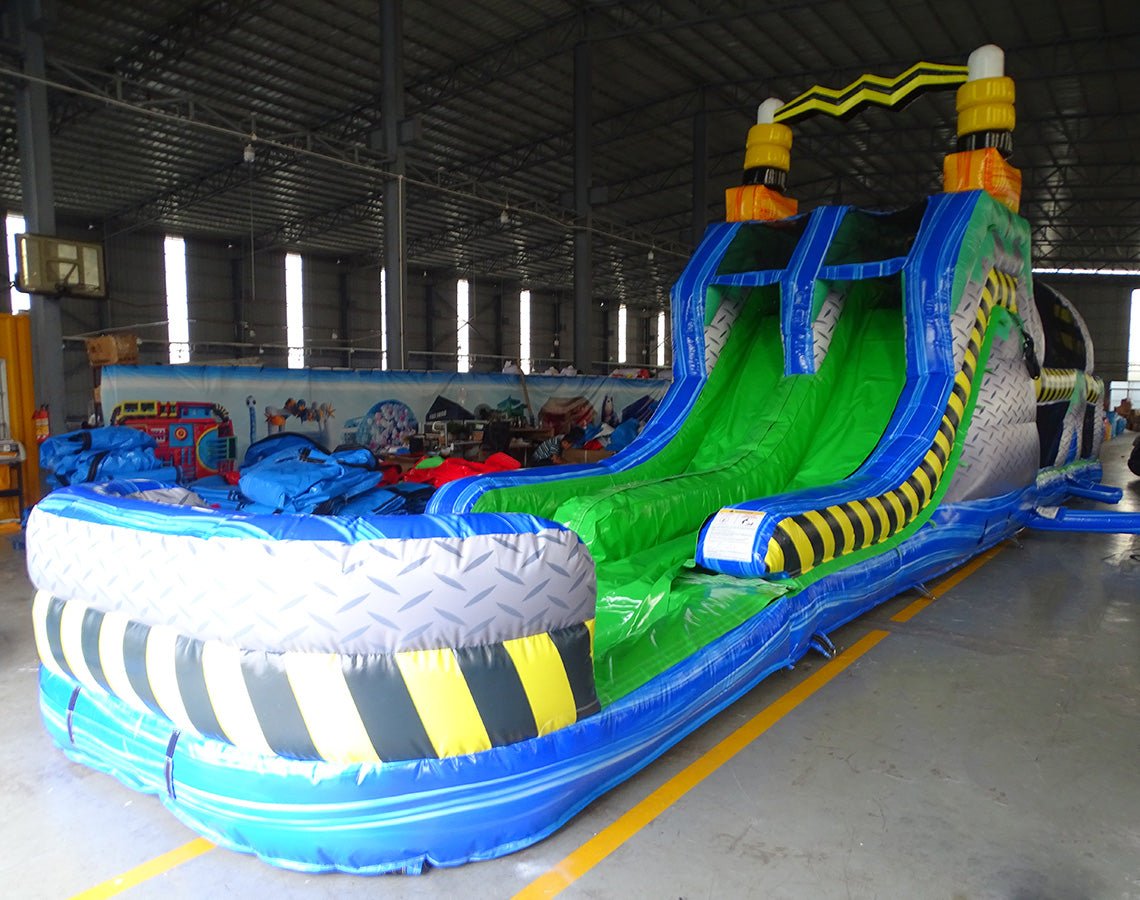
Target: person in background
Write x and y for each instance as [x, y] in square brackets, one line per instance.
[549, 452]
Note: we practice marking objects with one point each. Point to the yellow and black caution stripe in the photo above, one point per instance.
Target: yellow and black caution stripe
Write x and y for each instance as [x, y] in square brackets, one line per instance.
[871, 89]
[1057, 385]
[805, 540]
[412, 704]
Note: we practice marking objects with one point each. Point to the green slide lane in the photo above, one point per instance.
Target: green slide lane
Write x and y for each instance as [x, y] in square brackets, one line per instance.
[752, 432]
[806, 431]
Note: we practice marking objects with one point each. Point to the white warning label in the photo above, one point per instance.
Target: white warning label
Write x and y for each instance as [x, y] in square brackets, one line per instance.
[731, 535]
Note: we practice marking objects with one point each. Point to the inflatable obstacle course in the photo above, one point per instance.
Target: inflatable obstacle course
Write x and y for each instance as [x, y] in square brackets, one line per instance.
[861, 400]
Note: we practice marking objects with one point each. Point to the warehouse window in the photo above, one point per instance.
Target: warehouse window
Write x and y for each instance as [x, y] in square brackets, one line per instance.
[383, 319]
[1134, 339]
[463, 326]
[21, 302]
[524, 331]
[294, 310]
[623, 332]
[177, 307]
[661, 338]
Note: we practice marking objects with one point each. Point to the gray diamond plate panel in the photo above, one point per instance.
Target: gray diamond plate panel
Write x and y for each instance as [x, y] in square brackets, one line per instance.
[823, 328]
[718, 330]
[367, 597]
[1001, 451]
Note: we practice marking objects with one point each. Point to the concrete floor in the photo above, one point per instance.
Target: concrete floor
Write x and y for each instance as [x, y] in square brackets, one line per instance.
[986, 748]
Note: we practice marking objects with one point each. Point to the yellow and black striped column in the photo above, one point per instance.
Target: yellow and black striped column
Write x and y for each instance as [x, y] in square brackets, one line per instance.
[805, 540]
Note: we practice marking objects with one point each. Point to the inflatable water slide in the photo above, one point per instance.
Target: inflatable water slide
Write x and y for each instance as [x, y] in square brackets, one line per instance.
[861, 400]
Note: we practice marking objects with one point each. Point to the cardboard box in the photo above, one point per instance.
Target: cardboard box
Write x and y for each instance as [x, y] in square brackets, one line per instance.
[109, 349]
[574, 455]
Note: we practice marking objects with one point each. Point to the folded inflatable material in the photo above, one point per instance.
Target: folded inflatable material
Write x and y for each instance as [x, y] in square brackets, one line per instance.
[304, 480]
[101, 454]
[275, 443]
[112, 437]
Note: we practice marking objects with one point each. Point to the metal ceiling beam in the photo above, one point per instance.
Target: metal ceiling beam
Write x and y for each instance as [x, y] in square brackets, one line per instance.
[195, 27]
[288, 234]
[394, 189]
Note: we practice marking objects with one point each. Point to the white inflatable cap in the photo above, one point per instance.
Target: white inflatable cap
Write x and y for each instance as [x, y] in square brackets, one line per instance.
[988, 61]
[766, 111]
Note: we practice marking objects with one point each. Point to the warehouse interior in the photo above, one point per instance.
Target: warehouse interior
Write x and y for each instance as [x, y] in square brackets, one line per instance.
[577, 150]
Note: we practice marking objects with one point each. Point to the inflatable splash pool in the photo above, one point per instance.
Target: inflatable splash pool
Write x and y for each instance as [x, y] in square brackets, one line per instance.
[861, 400]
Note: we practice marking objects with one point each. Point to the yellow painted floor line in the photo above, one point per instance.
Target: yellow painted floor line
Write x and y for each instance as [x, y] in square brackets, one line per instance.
[947, 583]
[147, 870]
[605, 842]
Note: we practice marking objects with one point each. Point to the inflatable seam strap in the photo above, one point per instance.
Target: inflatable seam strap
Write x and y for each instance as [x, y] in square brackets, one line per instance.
[1056, 385]
[360, 708]
[805, 540]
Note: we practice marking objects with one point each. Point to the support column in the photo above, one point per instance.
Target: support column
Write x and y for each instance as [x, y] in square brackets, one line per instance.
[345, 296]
[583, 265]
[391, 115]
[39, 205]
[497, 302]
[429, 322]
[700, 171]
[6, 277]
[237, 300]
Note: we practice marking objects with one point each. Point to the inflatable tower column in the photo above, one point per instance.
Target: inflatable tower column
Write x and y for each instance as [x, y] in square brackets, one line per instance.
[767, 158]
[985, 132]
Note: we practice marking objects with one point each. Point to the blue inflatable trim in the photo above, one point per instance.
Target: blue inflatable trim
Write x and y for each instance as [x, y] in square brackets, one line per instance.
[1097, 521]
[367, 819]
[1102, 493]
[111, 503]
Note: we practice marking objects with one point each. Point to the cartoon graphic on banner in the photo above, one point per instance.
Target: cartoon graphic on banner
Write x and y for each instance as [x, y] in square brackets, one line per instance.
[195, 437]
[382, 410]
[387, 424]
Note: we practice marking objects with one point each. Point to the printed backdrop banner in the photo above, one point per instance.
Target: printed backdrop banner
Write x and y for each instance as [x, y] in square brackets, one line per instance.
[375, 408]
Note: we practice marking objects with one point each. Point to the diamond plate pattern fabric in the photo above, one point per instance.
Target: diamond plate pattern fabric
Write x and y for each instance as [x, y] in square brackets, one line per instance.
[823, 328]
[717, 331]
[1001, 449]
[366, 597]
[962, 320]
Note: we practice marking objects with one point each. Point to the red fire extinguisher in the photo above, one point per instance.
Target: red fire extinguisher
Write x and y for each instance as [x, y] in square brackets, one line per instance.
[42, 420]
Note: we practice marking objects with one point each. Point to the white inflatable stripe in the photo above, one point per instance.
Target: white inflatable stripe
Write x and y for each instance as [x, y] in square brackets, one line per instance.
[111, 656]
[225, 683]
[327, 707]
[163, 678]
[71, 638]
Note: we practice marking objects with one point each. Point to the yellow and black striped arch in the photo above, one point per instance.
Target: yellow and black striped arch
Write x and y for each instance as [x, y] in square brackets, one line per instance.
[871, 89]
[805, 540]
[358, 708]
